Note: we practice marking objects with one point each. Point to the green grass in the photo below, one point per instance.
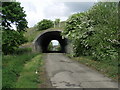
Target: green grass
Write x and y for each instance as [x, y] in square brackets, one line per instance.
[29, 77]
[32, 33]
[12, 66]
[108, 68]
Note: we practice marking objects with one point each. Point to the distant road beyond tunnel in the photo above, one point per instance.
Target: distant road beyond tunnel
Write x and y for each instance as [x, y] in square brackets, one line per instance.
[42, 41]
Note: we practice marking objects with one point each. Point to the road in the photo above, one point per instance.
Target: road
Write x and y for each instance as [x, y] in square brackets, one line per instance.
[66, 73]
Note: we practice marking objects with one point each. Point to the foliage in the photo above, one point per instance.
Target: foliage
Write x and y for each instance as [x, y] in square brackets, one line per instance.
[12, 65]
[11, 40]
[58, 48]
[50, 47]
[44, 24]
[94, 33]
[20, 51]
[13, 13]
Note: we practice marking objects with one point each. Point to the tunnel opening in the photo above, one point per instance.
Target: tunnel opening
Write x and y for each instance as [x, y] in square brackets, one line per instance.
[54, 47]
[43, 41]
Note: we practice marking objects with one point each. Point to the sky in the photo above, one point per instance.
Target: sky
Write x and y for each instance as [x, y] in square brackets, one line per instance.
[37, 10]
[55, 42]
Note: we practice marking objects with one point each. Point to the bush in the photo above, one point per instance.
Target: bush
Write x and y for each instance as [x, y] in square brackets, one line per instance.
[11, 40]
[94, 33]
[44, 24]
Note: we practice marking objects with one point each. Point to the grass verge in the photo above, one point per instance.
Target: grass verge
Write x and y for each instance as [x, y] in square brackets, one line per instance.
[108, 69]
[29, 77]
[12, 66]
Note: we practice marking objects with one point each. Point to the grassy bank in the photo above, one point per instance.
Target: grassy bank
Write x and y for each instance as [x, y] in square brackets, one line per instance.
[32, 33]
[29, 77]
[109, 69]
[13, 65]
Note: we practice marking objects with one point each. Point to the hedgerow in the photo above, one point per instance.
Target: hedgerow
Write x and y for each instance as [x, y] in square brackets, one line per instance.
[95, 32]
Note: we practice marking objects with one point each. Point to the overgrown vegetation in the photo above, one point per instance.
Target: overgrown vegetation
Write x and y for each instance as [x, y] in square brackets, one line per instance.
[45, 24]
[12, 65]
[95, 33]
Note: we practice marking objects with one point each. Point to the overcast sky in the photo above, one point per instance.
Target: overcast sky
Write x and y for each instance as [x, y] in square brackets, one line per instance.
[37, 10]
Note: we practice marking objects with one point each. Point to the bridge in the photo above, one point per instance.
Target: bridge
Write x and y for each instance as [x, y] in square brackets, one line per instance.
[42, 41]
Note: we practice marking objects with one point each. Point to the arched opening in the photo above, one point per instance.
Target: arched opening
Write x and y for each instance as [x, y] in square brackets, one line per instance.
[42, 42]
[54, 46]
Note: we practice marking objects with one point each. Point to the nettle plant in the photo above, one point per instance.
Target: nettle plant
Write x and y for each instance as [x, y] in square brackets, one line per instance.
[94, 32]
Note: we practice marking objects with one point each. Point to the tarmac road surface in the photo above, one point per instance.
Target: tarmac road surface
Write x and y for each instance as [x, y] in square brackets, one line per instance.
[66, 73]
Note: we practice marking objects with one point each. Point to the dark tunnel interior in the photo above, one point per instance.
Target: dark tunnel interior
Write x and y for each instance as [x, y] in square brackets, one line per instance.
[44, 40]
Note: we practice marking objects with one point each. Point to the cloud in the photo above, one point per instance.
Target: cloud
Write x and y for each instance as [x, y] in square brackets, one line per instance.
[78, 6]
[56, 10]
[37, 10]
[64, 9]
[34, 10]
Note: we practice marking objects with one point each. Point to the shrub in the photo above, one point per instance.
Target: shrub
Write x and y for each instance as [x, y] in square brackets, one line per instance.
[22, 51]
[44, 24]
[94, 33]
[11, 40]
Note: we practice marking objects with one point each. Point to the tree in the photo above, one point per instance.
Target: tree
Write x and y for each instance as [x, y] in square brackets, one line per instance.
[13, 13]
[11, 40]
[45, 24]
